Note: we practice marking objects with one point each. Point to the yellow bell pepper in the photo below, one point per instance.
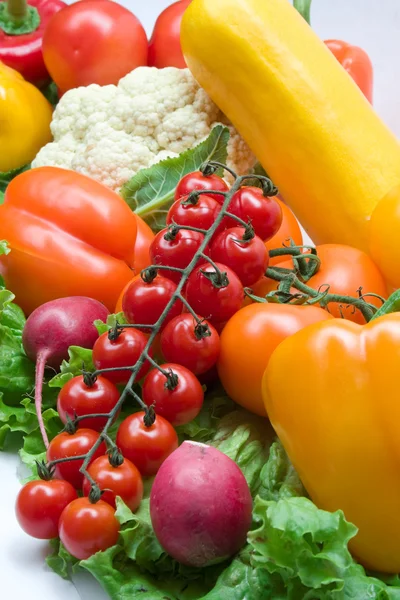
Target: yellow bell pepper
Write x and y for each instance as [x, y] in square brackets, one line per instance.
[25, 117]
[338, 417]
[305, 119]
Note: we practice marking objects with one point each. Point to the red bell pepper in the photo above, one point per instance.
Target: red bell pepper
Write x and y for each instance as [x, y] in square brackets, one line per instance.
[22, 25]
[352, 58]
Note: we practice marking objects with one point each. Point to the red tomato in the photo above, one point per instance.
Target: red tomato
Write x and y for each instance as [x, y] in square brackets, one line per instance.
[96, 41]
[247, 258]
[178, 405]
[289, 229]
[87, 528]
[177, 252]
[68, 445]
[197, 181]
[218, 302]
[77, 398]
[124, 481]
[182, 343]
[40, 504]
[146, 447]
[264, 213]
[200, 214]
[125, 351]
[165, 43]
[144, 303]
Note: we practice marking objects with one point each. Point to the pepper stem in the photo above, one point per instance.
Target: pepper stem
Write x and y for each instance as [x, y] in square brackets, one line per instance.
[17, 17]
[304, 8]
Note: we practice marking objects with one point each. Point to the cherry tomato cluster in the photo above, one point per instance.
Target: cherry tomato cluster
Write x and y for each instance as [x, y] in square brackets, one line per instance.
[182, 316]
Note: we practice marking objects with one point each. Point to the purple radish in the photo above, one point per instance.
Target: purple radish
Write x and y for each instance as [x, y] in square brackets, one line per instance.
[200, 505]
[51, 329]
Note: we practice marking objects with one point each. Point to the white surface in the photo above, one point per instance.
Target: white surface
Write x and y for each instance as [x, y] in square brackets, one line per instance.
[373, 25]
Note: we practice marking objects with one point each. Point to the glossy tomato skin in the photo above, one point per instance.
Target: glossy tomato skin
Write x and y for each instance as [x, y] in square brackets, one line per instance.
[201, 214]
[77, 398]
[249, 339]
[87, 528]
[289, 230]
[39, 506]
[345, 270]
[247, 258]
[216, 304]
[146, 447]
[143, 303]
[124, 481]
[68, 445]
[179, 405]
[179, 344]
[125, 351]
[177, 252]
[96, 41]
[264, 213]
[197, 181]
[165, 43]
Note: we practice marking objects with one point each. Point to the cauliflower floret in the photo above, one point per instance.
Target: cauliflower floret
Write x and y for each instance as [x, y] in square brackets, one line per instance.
[111, 132]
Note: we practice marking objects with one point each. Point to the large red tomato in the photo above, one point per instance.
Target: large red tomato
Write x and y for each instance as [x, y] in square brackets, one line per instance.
[345, 270]
[96, 41]
[247, 342]
[165, 43]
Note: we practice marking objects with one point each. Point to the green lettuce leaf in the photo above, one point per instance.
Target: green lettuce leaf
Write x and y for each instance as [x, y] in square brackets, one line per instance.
[79, 359]
[278, 477]
[202, 429]
[5, 178]
[110, 323]
[150, 192]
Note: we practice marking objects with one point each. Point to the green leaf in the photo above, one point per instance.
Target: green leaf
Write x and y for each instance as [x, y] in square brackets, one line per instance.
[4, 248]
[150, 192]
[278, 478]
[205, 425]
[5, 178]
[391, 305]
[112, 320]
[79, 359]
[60, 560]
[50, 92]
[33, 448]
[16, 419]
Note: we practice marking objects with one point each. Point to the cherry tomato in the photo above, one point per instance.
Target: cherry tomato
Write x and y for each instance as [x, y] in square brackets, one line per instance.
[177, 252]
[96, 41]
[289, 230]
[68, 445]
[78, 398]
[201, 214]
[146, 447]
[39, 506]
[145, 302]
[87, 528]
[198, 181]
[165, 43]
[182, 342]
[124, 351]
[247, 342]
[216, 302]
[345, 270]
[250, 204]
[124, 481]
[247, 258]
[179, 404]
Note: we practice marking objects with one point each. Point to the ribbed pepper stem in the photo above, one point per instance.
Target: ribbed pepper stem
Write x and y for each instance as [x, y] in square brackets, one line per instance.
[304, 8]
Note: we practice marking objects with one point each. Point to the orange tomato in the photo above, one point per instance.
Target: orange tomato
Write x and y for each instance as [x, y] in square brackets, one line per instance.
[247, 342]
[289, 228]
[69, 236]
[345, 270]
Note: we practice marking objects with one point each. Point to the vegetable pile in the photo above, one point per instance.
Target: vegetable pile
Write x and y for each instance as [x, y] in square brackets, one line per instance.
[204, 404]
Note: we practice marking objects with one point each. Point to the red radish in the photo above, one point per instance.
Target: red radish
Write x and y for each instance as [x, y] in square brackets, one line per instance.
[51, 329]
[200, 505]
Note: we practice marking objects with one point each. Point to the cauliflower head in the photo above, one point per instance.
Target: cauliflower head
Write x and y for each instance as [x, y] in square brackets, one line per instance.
[109, 133]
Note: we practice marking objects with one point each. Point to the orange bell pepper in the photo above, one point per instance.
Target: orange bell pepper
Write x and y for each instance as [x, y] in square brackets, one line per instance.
[69, 236]
[331, 395]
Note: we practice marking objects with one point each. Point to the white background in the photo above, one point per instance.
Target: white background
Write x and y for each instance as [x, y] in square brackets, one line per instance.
[372, 24]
